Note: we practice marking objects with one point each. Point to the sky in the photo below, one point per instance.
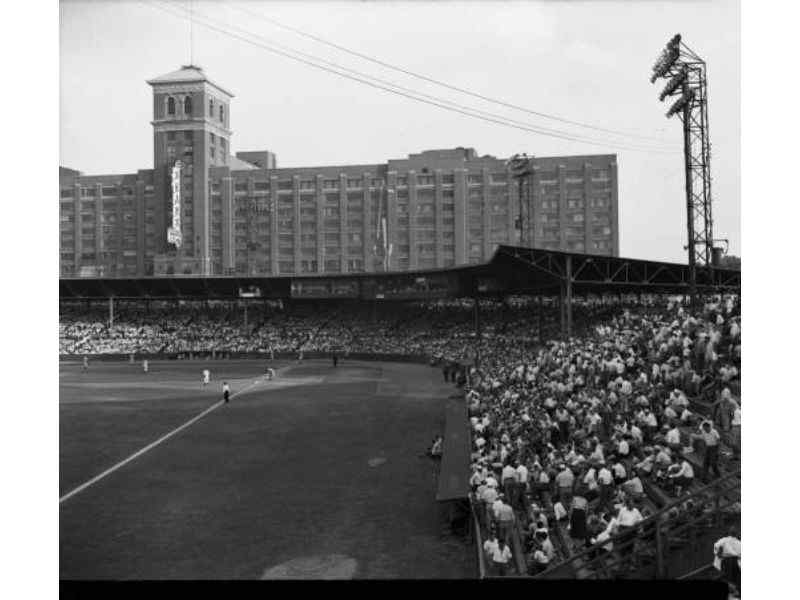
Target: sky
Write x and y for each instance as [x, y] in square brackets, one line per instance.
[586, 62]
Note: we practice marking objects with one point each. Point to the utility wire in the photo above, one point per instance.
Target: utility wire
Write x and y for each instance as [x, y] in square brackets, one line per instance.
[441, 83]
[537, 128]
[467, 111]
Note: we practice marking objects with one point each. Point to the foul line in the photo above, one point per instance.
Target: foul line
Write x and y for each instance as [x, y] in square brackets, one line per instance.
[152, 445]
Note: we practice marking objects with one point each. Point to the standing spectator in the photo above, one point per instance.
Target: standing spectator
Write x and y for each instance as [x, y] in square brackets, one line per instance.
[606, 483]
[577, 519]
[628, 518]
[501, 557]
[565, 481]
[728, 557]
[505, 519]
[710, 437]
[489, 548]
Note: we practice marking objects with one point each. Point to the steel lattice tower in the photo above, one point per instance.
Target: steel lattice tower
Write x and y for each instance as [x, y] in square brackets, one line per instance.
[686, 72]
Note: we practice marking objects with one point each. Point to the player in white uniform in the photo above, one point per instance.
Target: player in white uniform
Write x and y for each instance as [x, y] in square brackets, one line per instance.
[85, 363]
[145, 365]
[270, 374]
[206, 376]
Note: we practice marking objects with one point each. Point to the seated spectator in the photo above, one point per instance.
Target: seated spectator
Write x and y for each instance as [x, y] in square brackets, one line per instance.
[682, 476]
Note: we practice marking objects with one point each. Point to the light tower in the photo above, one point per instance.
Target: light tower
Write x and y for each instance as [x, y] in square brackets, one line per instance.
[686, 75]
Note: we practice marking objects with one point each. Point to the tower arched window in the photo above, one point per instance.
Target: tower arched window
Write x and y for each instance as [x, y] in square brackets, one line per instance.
[187, 105]
[171, 106]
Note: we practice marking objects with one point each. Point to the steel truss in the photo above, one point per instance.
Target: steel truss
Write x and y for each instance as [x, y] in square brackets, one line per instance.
[686, 73]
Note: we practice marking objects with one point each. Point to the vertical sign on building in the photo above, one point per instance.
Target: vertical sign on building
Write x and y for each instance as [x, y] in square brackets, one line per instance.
[174, 235]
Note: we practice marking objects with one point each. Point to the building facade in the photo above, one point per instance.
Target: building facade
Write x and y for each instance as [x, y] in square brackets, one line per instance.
[203, 211]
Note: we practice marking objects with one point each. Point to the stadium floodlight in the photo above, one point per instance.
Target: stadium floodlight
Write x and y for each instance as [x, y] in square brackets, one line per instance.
[665, 64]
[674, 83]
[667, 58]
[685, 98]
[674, 42]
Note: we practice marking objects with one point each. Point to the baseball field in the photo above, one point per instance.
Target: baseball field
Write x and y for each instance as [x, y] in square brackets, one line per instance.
[319, 473]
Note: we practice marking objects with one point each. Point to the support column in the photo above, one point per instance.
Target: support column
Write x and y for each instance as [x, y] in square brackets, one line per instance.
[561, 294]
[111, 311]
[539, 319]
[569, 295]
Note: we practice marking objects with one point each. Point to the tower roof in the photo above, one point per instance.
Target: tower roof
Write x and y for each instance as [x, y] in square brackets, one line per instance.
[186, 74]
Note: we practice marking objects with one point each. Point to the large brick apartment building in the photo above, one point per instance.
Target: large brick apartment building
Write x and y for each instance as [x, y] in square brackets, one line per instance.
[203, 211]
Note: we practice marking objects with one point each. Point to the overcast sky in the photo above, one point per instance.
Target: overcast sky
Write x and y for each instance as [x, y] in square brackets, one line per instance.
[587, 62]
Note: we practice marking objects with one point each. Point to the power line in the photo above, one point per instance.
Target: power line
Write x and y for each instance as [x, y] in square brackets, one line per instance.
[441, 83]
[538, 129]
[419, 97]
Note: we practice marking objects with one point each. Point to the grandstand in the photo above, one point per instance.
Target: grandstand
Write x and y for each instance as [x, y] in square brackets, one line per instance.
[560, 360]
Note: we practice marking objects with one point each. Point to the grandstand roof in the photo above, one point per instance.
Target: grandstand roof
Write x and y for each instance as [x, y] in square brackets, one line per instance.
[512, 270]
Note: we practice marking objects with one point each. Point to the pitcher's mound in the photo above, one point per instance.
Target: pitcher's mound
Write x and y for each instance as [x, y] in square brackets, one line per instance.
[332, 566]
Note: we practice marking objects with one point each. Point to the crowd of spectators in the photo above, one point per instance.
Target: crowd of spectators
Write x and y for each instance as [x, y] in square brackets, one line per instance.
[567, 435]
[441, 329]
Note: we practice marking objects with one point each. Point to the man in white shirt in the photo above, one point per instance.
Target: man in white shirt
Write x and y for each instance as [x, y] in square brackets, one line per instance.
[508, 474]
[226, 391]
[633, 487]
[627, 519]
[522, 475]
[619, 472]
[501, 557]
[490, 546]
[683, 477]
[728, 557]
[711, 437]
[673, 438]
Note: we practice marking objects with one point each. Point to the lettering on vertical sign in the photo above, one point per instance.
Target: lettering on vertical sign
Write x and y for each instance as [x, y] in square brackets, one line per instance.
[174, 235]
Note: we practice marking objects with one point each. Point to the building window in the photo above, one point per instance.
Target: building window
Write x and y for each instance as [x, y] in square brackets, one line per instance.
[170, 105]
[188, 134]
[212, 152]
[402, 180]
[221, 114]
[187, 105]
[210, 108]
[212, 137]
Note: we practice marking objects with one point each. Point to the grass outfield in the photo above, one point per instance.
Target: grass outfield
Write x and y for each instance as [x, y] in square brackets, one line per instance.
[316, 474]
